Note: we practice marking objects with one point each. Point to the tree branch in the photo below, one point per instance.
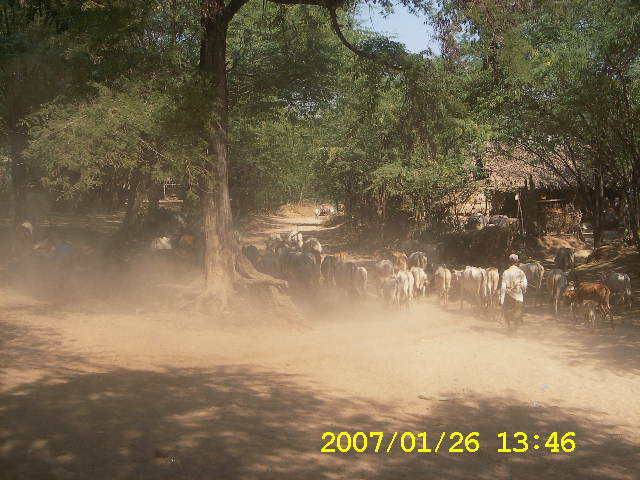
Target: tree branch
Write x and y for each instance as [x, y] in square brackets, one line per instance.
[320, 3]
[337, 30]
[232, 8]
[350, 46]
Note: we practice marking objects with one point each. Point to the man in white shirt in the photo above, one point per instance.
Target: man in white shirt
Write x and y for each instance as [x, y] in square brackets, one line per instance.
[512, 289]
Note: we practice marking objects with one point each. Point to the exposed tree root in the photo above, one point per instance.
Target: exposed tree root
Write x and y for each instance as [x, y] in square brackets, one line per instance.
[268, 289]
[248, 285]
[246, 274]
[212, 300]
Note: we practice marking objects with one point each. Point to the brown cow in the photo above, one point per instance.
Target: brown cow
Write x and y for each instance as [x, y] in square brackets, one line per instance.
[596, 292]
[399, 261]
[187, 241]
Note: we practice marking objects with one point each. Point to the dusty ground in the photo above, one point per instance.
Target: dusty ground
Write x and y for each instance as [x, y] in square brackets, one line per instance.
[88, 390]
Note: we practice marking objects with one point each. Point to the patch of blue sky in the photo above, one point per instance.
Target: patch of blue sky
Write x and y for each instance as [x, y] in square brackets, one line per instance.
[401, 26]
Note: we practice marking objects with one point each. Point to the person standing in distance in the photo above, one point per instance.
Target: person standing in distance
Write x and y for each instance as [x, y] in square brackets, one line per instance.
[512, 289]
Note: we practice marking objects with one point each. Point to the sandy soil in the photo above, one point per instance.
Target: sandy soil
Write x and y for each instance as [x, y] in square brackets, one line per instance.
[87, 391]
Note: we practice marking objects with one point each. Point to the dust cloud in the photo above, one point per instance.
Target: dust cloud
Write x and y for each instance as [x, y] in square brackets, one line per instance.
[107, 372]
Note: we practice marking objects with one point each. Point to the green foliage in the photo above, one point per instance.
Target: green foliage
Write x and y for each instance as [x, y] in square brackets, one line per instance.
[400, 144]
[282, 56]
[285, 65]
[561, 81]
[73, 71]
[116, 90]
[93, 146]
[271, 163]
[149, 118]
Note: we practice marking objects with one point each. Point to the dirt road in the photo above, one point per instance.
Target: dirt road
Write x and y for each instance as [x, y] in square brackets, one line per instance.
[126, 395]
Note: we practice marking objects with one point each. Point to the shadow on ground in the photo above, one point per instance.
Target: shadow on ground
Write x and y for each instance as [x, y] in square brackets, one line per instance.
[577, 344]
[239, 422]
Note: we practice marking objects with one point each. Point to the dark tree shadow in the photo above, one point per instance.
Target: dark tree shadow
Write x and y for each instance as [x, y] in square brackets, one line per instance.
[236, 422]
[577, 344]
[241, 422]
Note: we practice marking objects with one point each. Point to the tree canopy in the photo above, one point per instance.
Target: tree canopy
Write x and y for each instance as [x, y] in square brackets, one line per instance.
[100, 99]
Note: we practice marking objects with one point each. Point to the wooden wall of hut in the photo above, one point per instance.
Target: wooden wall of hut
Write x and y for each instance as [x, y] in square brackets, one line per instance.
[529, 197]
[503, 202]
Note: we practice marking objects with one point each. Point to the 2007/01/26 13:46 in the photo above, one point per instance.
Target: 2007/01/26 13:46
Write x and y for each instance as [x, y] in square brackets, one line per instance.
[519, 442]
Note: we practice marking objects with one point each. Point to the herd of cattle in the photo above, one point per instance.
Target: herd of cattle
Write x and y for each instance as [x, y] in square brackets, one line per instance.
[402, 278]
[324, 209]
[55, 245]
[478, 221]
[23, 245]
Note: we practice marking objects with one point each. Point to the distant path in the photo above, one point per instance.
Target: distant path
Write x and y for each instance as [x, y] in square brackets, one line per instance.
[301, 219]
[264, 225]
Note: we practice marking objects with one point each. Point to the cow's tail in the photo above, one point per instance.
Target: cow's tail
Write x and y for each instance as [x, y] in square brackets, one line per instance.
[318, 268]
[607, 296]
[484, 287]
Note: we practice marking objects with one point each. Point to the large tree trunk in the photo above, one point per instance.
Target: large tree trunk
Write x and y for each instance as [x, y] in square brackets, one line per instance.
[17, 144]
[131, 222]
[633, 216]
[598, 227]
[219, 256]
[224, 264]
[155, 193]
[134, 202]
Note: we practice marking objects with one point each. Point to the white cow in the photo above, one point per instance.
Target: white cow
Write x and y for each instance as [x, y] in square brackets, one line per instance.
[491, 285]
[161, 243]
[620, 285]
[534, 272]
[405, 287]
[27, 225]
[442, 284]
[556, 283]
[390, 291]
[384, 270]
[456, 279]
[472, 284]
[360, 282]
[419, 281]
[294, 240]
[418, 259]
[22, 241]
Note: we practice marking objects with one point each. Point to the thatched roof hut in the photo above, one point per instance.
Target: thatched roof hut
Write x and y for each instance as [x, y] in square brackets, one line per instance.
[512, 171]
[516, 185]
[546, 201]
